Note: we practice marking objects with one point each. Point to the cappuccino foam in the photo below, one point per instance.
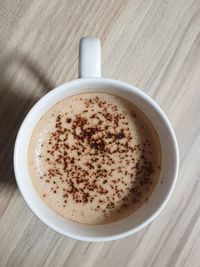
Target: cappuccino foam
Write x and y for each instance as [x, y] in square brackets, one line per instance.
[94, 158]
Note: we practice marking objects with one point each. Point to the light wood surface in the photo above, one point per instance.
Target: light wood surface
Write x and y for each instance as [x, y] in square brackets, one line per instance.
[153, 44]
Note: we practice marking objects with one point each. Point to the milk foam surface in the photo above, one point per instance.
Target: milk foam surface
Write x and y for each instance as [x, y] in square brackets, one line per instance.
[94, 158]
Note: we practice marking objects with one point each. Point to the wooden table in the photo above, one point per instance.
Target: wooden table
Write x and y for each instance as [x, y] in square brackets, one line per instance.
[153, 44]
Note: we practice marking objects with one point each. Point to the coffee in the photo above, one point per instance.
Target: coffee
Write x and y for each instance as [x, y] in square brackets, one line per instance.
[94, 158]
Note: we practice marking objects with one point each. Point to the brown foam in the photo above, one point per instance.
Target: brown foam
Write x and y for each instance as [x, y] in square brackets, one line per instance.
[94, 158]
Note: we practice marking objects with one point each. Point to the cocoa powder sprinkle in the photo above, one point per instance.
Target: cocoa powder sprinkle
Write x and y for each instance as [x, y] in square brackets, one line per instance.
[103, 139]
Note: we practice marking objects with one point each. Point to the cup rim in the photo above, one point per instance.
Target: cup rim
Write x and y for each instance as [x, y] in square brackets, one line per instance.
[132, 230]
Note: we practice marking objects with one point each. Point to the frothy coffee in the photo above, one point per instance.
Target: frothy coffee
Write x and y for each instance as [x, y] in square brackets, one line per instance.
[94, 158]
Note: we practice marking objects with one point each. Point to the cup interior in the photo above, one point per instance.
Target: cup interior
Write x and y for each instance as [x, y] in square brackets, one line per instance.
[143, 215]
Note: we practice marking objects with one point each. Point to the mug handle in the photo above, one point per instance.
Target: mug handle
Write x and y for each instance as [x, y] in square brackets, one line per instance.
[89, 58]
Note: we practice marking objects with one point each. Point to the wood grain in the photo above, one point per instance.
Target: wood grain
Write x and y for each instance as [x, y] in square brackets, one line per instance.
[153, 44]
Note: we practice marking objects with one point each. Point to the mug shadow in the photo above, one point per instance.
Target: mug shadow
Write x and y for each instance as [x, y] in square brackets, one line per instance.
[19, 81]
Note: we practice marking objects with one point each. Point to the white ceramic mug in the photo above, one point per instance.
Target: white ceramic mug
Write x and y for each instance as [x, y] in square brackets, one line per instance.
[91, 81]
